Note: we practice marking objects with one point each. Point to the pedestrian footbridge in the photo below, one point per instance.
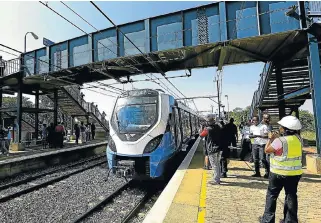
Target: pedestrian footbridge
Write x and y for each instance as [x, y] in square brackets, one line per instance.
[281, 34]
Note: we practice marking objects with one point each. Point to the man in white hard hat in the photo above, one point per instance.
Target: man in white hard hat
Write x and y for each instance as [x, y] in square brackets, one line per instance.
[285, 170]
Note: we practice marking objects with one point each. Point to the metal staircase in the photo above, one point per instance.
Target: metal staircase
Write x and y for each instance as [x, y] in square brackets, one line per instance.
[72, 104]
[295, 76]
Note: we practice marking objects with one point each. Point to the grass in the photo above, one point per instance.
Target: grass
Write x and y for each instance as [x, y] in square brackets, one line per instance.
[308, 135]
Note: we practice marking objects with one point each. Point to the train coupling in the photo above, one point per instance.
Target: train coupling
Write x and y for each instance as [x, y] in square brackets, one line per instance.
[125, 168]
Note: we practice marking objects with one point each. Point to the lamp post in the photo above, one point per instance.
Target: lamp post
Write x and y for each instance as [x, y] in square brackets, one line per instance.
[34, 36]
[228, 107]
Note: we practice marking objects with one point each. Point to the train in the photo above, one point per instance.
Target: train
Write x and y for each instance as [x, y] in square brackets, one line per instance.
[147, 129]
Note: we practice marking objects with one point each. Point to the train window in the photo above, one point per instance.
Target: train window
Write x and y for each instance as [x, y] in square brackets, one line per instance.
[172, 126]
[178, 128]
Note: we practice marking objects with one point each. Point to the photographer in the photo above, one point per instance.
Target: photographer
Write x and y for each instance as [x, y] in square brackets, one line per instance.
[286, 169]
[213, 134]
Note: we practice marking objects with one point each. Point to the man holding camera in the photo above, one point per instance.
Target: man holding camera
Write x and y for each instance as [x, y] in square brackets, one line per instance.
[259, 136]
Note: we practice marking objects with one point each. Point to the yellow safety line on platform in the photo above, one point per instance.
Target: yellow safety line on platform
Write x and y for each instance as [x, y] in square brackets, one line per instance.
[202, 205]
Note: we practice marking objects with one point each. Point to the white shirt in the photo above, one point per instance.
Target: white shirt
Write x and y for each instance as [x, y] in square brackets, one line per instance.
[255, 130]
[246, 132]
[262, 130]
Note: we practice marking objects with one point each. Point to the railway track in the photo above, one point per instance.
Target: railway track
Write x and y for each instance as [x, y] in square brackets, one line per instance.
[44, 173]
[148, 193]
[97, 161]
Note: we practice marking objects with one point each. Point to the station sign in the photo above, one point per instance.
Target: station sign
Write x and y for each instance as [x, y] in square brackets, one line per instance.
[47, 42]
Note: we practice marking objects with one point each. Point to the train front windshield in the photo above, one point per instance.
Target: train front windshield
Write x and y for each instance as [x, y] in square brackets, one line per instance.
[135, 114]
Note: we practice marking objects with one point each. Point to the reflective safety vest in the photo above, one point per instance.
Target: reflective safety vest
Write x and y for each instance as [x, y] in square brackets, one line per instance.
[289, 163]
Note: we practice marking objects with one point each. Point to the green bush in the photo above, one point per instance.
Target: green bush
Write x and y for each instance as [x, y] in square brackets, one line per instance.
[309, 135]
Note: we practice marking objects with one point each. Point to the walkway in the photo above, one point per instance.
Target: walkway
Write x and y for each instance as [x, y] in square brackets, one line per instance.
[242, 198]
[189, 198]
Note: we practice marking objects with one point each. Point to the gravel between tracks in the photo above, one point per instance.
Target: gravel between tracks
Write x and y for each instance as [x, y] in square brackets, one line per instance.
[115, 211]
[23, 176]
[63, 201]
[46, 178]
[144, 211]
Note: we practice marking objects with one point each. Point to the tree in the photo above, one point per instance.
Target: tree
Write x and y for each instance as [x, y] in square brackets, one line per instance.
[239, 114]
[307, 121]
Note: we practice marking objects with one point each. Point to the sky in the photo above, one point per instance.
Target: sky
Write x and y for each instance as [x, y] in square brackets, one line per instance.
[17, 18]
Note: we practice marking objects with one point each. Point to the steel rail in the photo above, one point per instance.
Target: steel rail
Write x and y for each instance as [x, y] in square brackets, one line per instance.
[138, 206]
[36, 176]
[49, 182]
[103, 202]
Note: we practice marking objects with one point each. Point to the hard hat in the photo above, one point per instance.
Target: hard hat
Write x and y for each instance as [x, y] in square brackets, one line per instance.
[290, 122]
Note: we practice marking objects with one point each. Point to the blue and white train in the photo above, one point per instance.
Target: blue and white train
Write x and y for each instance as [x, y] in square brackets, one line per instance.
[147, 129]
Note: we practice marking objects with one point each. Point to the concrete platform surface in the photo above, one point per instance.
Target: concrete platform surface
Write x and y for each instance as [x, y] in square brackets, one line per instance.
[240, 198]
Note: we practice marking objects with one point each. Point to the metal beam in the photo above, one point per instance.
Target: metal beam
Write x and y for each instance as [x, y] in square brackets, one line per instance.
[55, 107]
[249, 53]
[221, 61]
[315, 77]
[207, 96]
[19, 110]
[37, 114]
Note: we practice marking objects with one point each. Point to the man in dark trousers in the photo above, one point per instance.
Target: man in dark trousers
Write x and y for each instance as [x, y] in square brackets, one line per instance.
[232, 136]
[213, 134]
[225, 150]
[93, 131]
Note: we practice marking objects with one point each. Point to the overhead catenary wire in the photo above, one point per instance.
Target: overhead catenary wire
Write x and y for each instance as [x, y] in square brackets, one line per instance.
[80, 29]
[166, 88]
[144, 55]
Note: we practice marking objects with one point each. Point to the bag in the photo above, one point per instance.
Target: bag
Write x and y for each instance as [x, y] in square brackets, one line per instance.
[211, 149]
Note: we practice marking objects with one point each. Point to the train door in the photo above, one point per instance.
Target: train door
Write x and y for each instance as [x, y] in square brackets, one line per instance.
[178, 128]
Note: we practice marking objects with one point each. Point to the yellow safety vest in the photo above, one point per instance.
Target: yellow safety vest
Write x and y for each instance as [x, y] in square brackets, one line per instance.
[289, 163]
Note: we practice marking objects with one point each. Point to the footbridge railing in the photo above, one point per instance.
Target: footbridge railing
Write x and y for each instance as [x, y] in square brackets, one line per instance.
[8, 67]
[259, 93]
[90, 108]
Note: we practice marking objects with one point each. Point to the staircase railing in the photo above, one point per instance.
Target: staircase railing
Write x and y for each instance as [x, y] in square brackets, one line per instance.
[259, 93]
[74, 91]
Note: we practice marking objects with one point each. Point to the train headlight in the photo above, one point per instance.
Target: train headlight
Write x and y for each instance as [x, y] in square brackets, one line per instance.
[112, 145]
[153, 144]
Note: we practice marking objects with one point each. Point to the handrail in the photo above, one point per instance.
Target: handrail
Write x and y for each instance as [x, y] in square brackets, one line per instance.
[10, 66]
[74, 91]
[258, 94]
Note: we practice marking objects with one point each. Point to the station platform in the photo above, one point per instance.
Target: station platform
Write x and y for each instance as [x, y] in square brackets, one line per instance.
[189, 198]
[42, 158]
[39, 149]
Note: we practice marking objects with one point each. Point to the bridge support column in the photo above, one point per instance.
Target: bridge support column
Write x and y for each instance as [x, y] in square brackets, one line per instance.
[55, 106]
[280, 92]
[297, 113]
[19, 111]
[37, 114]
[1, 107]
[87, 119]
[72, 125]
[315, 77]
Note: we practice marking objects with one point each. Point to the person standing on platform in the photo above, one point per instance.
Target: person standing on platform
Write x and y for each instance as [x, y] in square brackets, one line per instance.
[246, 142]
[77, 133]
[225, 139]
[3, 141]
[60, 131]
[232, 136]
[93, 130]
[88, 132]
[83, 133]
[51, 136]
[265, 129]
[213, 134]
[286, 170]
[44, 136]
[259, 135]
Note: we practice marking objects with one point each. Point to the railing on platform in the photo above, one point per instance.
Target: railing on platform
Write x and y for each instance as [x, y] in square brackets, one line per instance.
[10, 66]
